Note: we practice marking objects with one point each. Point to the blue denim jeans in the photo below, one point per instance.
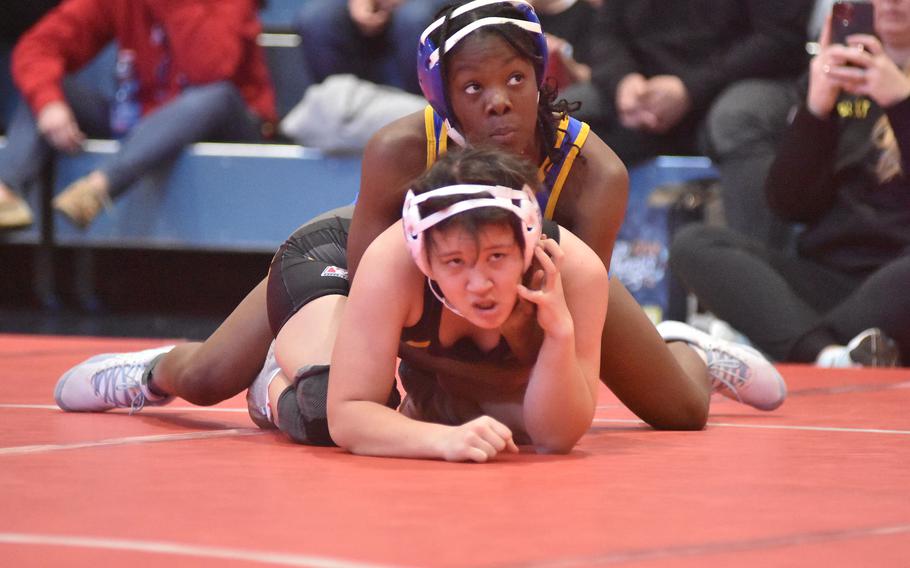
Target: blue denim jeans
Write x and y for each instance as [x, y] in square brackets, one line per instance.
[332, 44]
[210, 112]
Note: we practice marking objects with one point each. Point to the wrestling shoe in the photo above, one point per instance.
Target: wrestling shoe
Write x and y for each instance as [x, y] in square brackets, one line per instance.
[257, 396]
[871, 348]
[111, 380]
[737, 371]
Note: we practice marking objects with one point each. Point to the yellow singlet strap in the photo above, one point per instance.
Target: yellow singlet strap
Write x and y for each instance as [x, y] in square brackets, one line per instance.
[428, 122]
[564, 171]
[560, 135]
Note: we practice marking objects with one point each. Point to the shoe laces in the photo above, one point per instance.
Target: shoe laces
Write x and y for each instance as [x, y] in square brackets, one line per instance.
[121, 385]
[727, 371]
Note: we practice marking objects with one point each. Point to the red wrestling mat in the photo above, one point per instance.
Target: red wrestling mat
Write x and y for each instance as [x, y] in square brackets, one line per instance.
[823, 481]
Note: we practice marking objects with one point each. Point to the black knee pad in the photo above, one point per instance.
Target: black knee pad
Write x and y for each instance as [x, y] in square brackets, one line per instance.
[302, 406]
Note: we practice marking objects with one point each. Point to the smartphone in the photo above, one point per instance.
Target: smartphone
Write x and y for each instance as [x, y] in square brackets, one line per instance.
[848, 18]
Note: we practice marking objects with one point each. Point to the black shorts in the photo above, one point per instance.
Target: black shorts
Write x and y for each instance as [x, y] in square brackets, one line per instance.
[312, 263]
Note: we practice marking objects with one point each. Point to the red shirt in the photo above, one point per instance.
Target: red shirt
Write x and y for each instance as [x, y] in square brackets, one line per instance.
[178, 43]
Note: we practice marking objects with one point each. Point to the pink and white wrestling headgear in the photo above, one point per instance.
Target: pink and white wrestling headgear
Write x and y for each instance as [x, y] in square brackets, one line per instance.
[521, 202]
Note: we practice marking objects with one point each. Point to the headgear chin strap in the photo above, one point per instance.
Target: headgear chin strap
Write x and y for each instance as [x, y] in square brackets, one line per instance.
[521, 202]
[432, 83]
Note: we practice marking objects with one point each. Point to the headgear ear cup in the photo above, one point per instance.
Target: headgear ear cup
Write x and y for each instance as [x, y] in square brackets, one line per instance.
[410, 218]
[429, 74]
[520, 202]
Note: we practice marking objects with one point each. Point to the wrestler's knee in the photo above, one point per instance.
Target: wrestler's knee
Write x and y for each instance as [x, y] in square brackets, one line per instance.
[690, 414]
[302, 406]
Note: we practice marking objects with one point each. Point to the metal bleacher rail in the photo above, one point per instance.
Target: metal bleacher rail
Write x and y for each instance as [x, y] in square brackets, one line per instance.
[278, 15]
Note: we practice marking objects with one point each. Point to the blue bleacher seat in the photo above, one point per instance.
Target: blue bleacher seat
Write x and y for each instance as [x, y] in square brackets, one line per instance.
[278, 15]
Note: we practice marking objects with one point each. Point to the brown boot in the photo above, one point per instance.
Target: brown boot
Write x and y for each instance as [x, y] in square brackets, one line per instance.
[15, 213]
[82, 200]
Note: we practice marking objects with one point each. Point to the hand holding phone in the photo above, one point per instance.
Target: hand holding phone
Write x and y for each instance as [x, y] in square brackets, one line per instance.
[849, 18]
[863, 69]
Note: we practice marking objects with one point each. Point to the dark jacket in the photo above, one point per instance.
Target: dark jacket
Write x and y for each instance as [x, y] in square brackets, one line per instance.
[709, 44]
[824, 176]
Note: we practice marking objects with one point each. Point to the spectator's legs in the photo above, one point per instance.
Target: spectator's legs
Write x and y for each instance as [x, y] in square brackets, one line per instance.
[332, 44]
[743, 128]
[408, 22]
[27, 152]
[774, 299]
[215, 111]
[880, 301]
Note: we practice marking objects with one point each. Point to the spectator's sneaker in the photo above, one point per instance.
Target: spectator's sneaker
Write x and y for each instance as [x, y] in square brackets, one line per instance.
[737, 371]
[257, 396]
[15, 213]
[871, 348]
[82, 200]
[111, 380]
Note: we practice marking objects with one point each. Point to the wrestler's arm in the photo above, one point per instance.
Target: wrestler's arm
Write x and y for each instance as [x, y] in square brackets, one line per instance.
[379, 305]
[571, 308]
[392, 159]
[384, 300]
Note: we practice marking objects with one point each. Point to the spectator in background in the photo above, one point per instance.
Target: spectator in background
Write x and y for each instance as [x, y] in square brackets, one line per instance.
[16, 19]
[659, 66]
[200, 73]
[569, 25]
[372, 39]
[842, 171]
[743, 130]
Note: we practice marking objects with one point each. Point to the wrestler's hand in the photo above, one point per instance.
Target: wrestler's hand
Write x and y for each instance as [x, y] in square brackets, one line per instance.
[552, 311]
[479, 440]
[521, 330]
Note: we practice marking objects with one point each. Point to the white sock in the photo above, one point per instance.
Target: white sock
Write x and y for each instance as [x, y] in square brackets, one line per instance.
[834, 356]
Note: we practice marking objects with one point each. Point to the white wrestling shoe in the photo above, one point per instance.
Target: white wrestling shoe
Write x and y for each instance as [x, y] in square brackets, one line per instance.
[257, 396]
[871, 348]
[737, 371]
[111, 380]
